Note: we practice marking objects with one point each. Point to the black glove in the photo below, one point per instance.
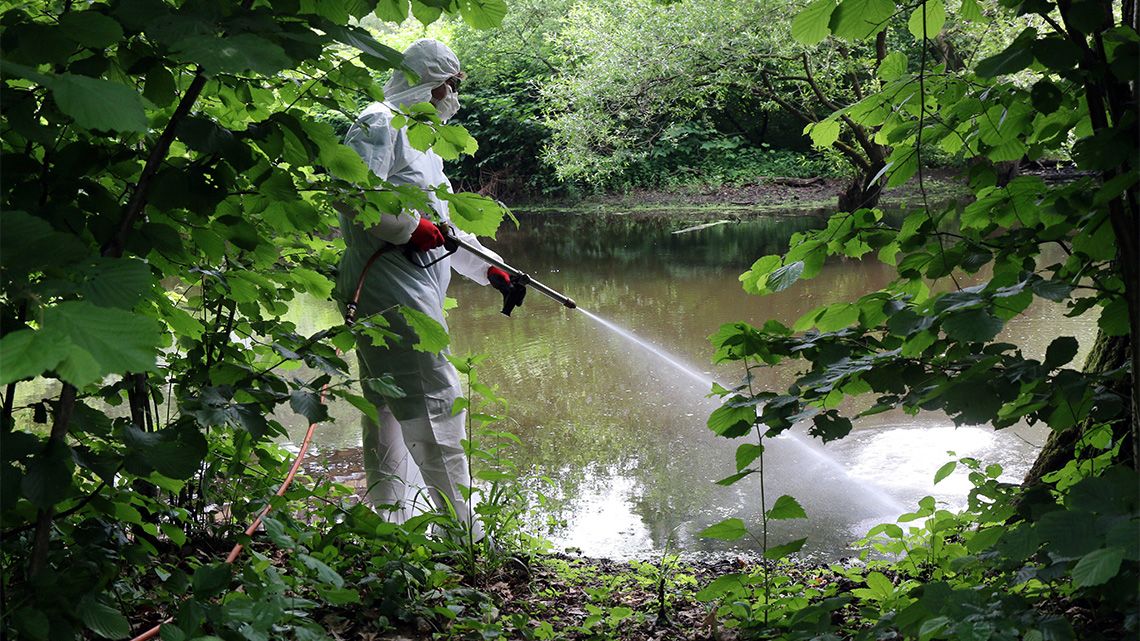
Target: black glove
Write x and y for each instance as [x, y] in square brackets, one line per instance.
[513, 289]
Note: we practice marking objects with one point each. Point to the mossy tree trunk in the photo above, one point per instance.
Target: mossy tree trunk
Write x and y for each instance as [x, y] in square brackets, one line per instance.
[1108, 353]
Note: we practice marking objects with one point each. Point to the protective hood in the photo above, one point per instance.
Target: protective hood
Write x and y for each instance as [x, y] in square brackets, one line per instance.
[433, 61]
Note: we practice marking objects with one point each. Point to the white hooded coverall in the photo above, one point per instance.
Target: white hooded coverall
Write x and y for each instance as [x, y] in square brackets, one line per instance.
[417, 444]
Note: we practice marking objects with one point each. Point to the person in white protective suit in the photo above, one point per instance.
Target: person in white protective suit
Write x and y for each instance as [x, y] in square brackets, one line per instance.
[414, 451]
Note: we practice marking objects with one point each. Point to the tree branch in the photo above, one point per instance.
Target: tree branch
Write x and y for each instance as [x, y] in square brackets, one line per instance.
[42, 538]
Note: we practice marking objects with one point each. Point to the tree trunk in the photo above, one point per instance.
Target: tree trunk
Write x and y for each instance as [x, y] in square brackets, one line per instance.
[862, 192]
[1108, 353]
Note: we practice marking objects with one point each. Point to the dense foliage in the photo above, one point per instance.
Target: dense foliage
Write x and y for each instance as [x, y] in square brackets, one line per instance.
[925, 343]
[168, 176]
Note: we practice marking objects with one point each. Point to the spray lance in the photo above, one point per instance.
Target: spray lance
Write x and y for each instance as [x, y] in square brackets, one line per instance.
[513, 292]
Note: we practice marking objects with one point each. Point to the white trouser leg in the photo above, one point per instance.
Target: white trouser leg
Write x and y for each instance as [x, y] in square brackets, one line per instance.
[436, 445]
[395, 485]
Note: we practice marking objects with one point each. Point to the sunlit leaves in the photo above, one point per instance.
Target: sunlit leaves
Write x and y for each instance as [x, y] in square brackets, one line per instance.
[483, 14]
[928, 19]
[473, 213]
[823, 133]
[892, 67]
[858, 19]
[810, 26]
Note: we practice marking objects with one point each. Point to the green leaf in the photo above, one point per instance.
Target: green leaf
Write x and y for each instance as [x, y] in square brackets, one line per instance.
[785, 508]
[473, 213]
[731, 480]
[102, 619]
[785, 276]
[970, 11]
[927, 24]
[118, 282]
[1097, 567]
[893, 66]
[780, 551]
[99, 104]
[309, 404]
[433, 337]
[727, 530]
[823, 133]
[324, 573]
[386, 56]
[1114, 318]
[175, 451]
[392, 10]
[732, 422]
[91, 29]
[339, 596]
[810, 25]
[747, 453]
[27, 353]
[1017, 56]
[721, 586]
[211, 579]
[47, 480]
[234, 54]
[944, 471]
[483, 14]
[101, 341]
[344, 163]
[972, 326]
[1062, 350]
[858, 19]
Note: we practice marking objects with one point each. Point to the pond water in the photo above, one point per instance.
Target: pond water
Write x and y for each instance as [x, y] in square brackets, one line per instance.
[621, 432]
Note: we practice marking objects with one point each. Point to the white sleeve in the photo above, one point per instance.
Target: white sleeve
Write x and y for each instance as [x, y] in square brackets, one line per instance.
[469, 264]
[373, 139]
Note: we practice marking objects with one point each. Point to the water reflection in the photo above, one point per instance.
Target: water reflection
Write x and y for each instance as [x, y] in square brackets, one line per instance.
[623, 434]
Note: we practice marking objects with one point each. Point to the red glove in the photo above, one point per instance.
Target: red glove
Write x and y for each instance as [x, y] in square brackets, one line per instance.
[500, 279]
[426, 236]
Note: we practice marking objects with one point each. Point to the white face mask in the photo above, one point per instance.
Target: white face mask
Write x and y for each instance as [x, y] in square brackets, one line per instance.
[448, 106]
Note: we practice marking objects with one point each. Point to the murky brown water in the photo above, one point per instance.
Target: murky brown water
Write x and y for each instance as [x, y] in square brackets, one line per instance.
[622, 434]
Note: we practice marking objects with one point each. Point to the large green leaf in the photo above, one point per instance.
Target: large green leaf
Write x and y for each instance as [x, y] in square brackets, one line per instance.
[810, 25]
[858, 19]
[1097, 567]
[362, 40]
[732, 422]
[91, 29]
[473, 213]
[234, 54]
[47, 480]
[928, 23]
[211, 579]
[102, 619]
[100, 104]
[746, 453]
[727, 530]
[786, 507]
[1017, 56]
[118, 282]
[432, 336]
[101, 341]
[175, 451]
[483, 14]
[27, 353]
[973, 326]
